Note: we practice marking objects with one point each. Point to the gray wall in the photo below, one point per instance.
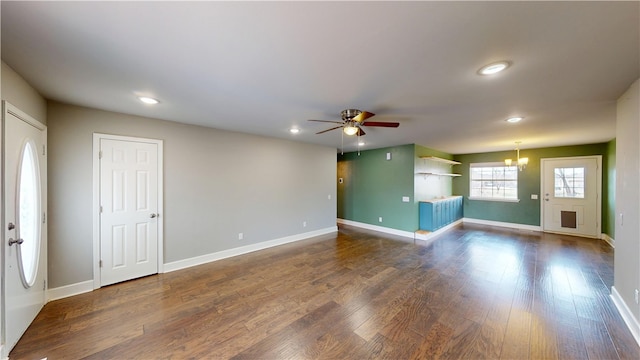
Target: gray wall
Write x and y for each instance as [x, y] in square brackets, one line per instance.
[216, 185]
[627, 254]
[19, 93]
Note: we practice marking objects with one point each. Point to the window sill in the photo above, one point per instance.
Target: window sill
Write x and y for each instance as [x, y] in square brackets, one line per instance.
[494, 199]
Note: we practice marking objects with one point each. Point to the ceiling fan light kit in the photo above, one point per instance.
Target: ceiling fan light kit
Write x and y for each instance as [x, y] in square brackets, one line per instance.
[353, 120]
[350, 129]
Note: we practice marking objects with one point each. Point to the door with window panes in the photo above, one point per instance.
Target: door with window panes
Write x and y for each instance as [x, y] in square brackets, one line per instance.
[571, 201]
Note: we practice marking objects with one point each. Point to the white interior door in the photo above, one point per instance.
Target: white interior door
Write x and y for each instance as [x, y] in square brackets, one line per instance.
[24, 222]
[130, 209]
[571, 190]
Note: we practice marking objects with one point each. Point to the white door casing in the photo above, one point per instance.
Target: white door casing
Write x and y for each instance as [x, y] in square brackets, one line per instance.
[24, 223]
[129, 204]
[571, 195]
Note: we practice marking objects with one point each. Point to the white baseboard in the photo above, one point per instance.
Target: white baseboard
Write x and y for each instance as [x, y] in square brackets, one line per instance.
[604, 237]
[502, 224]
[203, 259]
[381, 229]
[87, 286]
[409, 234]
[430, 235]
[609, 240]
[627, 315]
[69, 290]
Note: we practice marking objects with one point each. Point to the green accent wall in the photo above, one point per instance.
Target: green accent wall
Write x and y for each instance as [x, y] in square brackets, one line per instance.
[527, 211]
[373, 186]
[609, 190]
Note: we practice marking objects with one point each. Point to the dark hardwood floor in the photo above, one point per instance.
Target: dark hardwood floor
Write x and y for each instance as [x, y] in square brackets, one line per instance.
[474, 292]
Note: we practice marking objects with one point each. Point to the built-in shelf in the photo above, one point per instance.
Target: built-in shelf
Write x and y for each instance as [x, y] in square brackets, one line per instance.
[435, 158]
[440, 160]
[437, 174]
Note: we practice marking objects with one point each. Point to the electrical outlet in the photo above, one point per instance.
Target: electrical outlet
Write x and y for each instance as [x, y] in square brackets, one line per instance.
[388, 156]
[329, 197]
[380, 219]
[304, 224]
[534, 196]
[240, 236]
[636, 296]
[405, 199]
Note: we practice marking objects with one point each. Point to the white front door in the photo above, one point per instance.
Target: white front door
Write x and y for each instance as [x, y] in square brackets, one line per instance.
[24, 223]
[571, 201]
[129, 209]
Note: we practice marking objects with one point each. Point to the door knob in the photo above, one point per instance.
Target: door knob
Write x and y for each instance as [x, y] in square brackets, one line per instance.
[16, 241]
[153, 215]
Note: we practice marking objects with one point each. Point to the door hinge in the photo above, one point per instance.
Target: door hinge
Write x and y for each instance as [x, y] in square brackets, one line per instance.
[100, 154]
[100, 209]
[44, 150]
[44, 217]
[100, 263]
[44, 285]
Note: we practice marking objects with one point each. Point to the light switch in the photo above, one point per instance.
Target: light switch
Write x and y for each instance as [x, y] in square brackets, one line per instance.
[388, 156]
[405, 199]
[534, 196]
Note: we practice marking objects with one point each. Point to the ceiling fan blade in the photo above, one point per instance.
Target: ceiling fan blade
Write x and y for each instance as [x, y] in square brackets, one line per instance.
[324, 131]
[327, 121]
[381, 124]
[363, 116]
[361, 132]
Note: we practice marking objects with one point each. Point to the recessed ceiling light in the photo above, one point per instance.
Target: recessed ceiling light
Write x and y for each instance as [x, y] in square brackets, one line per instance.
[514, 119]
[494, 68]
[148, 100]
[294, 130]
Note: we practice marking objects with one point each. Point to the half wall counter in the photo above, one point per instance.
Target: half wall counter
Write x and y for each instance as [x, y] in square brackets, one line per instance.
[437, 213]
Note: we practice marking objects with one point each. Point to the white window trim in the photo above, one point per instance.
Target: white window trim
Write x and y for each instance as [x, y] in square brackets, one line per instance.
[493, 199]
[489, 164]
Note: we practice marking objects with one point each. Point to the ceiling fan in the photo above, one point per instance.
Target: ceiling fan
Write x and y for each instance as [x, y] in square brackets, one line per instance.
[353, 119]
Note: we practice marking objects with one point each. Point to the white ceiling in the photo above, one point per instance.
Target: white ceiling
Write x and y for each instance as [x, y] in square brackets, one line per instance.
[263, 67]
